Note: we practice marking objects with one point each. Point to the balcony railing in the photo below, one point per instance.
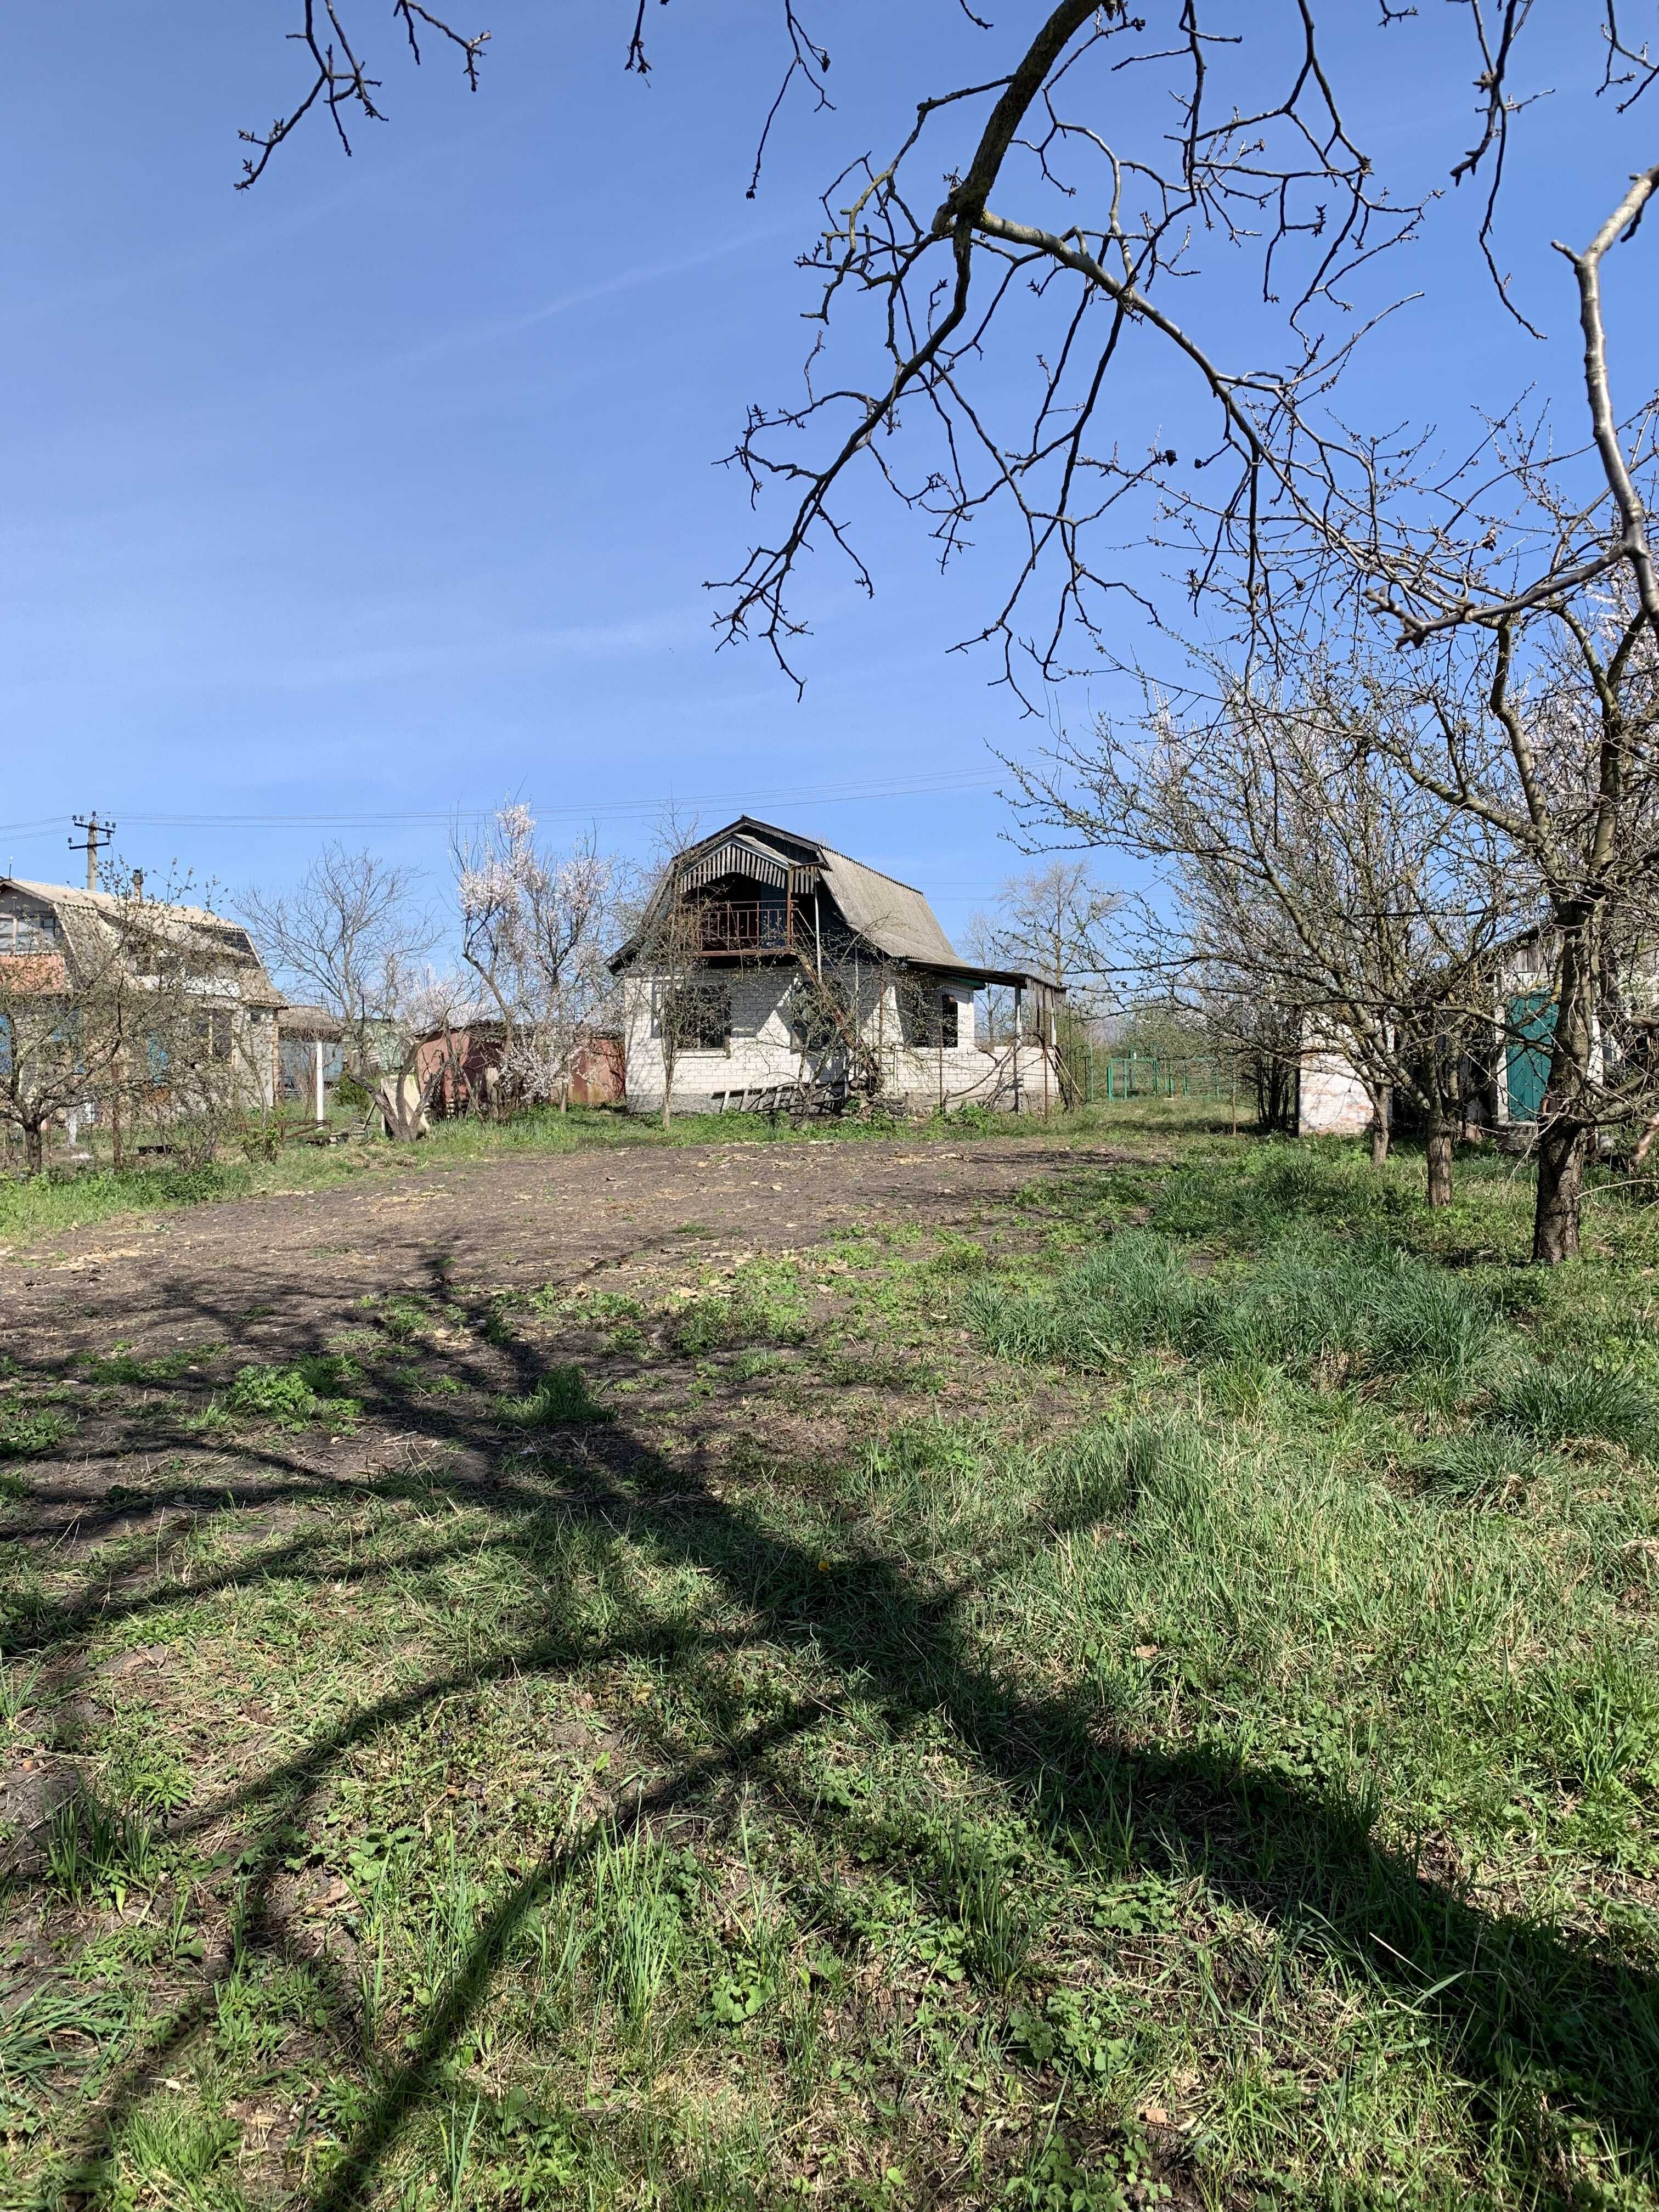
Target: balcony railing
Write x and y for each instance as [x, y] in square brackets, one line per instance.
[746, 926]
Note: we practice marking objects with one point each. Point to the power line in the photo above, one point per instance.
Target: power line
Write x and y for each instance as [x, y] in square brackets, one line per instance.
[943, 785]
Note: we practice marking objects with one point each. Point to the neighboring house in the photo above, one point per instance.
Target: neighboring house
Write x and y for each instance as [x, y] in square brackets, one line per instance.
[1507, 1073]
[58, 942]
[599, 1071]
[1331, 1101]
[1523, 1019]
[457, 1067]
[311, 1056]
[766, 961]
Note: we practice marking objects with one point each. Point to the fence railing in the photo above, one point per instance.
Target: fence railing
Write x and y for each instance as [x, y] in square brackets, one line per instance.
[746, 926]
[1101, 1077]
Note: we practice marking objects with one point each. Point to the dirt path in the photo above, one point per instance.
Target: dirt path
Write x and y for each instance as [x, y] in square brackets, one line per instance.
[263, 1273]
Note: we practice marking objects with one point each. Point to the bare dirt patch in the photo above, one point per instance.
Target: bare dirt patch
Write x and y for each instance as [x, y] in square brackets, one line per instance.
[264, 1276]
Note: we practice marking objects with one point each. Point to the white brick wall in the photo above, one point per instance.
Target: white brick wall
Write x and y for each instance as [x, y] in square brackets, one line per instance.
[760, 1052]
[1333, 1102]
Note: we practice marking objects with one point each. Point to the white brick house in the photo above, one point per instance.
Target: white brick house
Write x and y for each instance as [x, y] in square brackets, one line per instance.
[802, 966]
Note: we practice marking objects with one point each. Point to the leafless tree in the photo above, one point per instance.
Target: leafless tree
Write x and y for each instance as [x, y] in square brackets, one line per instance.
[1524, 579]
[1554, 751]
[1263, 1030]
[63, 1027]
[666, 953]
[1148, 170]
[353, 933]
[420, 1044]
[1303, 865]
[1049, 920]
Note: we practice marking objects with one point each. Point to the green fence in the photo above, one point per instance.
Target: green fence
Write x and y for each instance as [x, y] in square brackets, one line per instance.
[1102, 1077]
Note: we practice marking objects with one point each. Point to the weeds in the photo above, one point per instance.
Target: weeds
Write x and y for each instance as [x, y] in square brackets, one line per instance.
[30, 1432]
[294, 1396]
[97, 1854]
[560, 1400]
[1342, 1312]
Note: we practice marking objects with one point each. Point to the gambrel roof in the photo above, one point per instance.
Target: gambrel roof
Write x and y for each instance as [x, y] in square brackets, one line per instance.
[893, 918]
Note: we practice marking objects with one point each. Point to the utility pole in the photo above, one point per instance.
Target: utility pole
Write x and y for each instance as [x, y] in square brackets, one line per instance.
[98, 835]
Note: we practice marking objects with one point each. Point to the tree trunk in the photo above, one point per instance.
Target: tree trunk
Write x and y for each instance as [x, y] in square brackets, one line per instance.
[1440, 1161]
[1561, 1149]
[1381, 1102]
[34, 1149]
[1564, 1124]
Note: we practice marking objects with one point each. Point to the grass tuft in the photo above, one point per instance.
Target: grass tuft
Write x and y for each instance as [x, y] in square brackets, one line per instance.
[1363, 1313]
[561, 1400]
[1562, 1404]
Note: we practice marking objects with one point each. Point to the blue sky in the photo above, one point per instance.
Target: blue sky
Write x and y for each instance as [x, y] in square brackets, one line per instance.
[389, 488]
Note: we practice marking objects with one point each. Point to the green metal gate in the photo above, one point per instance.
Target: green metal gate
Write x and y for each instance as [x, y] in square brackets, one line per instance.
[1527, 1058]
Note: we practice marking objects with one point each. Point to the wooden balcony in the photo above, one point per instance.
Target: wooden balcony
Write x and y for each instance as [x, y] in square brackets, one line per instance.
[733, 928]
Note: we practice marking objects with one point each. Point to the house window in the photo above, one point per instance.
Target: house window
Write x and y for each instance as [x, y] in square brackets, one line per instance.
[33, 930]
[213, 1034]
[695, 1017]
[928, 1018]
[820, 1017]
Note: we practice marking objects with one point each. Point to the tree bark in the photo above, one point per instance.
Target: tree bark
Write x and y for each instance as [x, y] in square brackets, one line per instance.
[34, 1149]
[1379, 1128]
[1561, 1148]
[1440, 1162]
[1566, 1126]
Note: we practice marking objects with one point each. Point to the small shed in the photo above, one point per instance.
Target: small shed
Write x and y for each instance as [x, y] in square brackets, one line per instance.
[599, 1071]
[457, 1066]
[311, 1055]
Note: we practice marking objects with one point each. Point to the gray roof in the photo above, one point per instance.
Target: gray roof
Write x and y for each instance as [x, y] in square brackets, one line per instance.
[894, 917]
[88, 919]
[309, 1024]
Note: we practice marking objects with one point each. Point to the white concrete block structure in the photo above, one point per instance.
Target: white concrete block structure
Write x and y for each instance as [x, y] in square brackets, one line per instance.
[1331, 1100]
[769, 967]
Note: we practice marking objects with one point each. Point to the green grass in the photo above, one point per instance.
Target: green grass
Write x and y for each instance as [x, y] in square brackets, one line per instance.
[1149, 1696]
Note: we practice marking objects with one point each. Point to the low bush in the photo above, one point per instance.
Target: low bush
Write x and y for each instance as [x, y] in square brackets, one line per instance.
[764, 1306]
[295, 1395]
[27, 1431]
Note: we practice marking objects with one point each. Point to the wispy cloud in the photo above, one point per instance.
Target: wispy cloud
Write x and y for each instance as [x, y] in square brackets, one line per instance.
[495, 329]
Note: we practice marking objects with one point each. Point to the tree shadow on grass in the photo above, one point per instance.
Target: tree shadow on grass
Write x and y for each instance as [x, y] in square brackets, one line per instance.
[1522, 2012]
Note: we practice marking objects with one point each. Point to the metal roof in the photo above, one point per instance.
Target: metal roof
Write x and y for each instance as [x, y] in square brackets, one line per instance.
[94, 913]
[893, 918]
